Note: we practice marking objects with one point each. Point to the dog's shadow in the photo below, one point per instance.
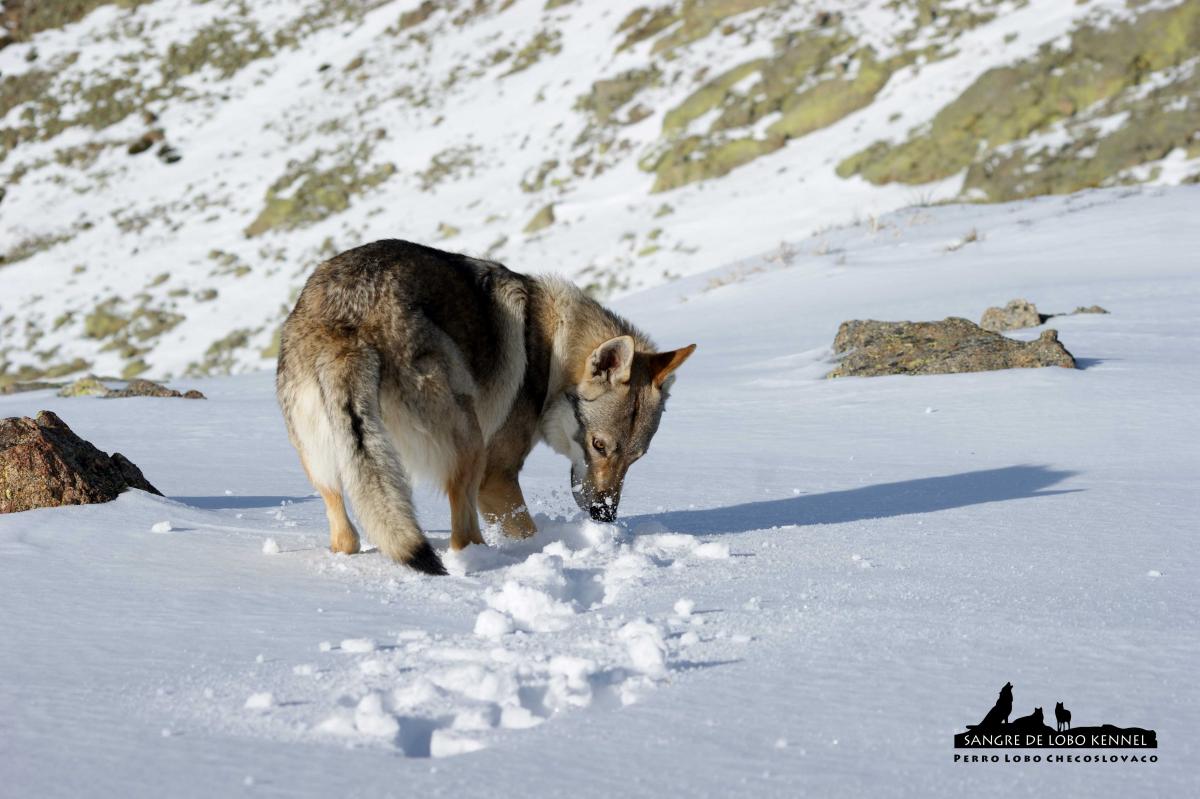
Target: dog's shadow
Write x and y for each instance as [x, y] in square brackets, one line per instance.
[881, 501]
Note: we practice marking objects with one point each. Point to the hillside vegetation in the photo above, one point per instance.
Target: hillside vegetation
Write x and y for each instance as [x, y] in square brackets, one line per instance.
[172, 171]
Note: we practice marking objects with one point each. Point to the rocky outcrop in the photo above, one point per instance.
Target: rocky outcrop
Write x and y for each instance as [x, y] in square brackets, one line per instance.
[1017, 314]
[92, 386]
[44, 464]
[870, 348]
[1023, 313]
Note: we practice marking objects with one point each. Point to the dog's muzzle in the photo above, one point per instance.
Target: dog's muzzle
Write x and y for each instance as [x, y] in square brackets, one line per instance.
[601, 512]
[600, 507]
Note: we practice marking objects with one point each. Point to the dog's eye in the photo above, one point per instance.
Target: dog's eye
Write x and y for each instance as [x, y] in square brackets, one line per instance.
[598, 445]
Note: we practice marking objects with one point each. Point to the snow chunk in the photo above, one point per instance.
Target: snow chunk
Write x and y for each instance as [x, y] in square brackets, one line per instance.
[161, 527]
[712, 550]
[447, 744]
[570, 682]
[684, 607]
[518, 717]
[370, 718]
[647, 650]
[270, 547]
[340, 723]
[493, 624]
[260, 701]
[531, 608]
[358, 645]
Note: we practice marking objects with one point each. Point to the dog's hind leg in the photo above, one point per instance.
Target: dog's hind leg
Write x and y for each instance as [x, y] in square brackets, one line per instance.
[462, 486]
[342, 535]
[367, 461]
[313, 439]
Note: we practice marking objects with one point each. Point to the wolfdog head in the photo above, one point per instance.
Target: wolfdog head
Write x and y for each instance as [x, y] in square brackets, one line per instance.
[618, 404]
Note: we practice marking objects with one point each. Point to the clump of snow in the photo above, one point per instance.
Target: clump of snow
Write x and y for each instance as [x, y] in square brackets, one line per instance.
[491, 623]
[358, 645]
[260, 701]
[447, 744]
[531, 609]
[714, 550]
[161, 527]
[370, 717]
[270, 547]
[684, 607]
[647, 650]
[570, 682]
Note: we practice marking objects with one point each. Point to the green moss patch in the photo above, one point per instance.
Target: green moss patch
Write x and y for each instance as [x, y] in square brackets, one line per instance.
[815, 78]
[308, 193]
[1009, 104]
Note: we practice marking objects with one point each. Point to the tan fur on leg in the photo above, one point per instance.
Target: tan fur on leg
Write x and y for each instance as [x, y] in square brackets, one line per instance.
[463, 490]
[342, 535]
[502, 503]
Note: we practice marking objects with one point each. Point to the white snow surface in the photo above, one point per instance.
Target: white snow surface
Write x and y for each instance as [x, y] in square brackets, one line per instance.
[813, 586]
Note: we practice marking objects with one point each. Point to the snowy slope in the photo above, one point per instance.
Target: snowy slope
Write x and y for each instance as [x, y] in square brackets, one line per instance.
[815, 585]
[308, 128]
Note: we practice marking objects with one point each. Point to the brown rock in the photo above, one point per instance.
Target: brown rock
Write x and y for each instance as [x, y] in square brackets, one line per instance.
[927, 348]
[148, 388]
[44, 464]
[145, 142]
[1088, 309]
[1017, 314]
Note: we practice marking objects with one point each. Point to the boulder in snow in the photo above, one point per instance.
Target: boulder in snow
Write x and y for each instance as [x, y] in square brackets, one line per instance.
[92, 386]
[44, 464]
[871, 348]
[1017, 314]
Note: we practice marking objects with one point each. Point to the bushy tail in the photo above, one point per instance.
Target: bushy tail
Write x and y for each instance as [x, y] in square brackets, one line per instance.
[368, 463]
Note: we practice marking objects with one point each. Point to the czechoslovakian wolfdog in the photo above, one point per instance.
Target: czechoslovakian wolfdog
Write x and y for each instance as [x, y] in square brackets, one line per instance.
[402, 362]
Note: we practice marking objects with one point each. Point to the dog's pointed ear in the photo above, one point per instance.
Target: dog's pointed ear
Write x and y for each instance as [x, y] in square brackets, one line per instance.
[662, 364]
[610, 363]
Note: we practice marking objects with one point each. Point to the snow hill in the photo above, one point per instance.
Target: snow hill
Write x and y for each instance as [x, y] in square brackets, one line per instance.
[815, 585]
[172, 171]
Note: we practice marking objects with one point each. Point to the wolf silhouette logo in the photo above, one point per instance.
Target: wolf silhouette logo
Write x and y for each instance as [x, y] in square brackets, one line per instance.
[996, 731]
[1000, 711]
[1062, 716]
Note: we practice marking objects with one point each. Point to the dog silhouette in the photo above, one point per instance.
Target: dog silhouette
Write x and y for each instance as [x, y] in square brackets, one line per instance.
[1000, 711]
[1034, 720]
[1062, 716]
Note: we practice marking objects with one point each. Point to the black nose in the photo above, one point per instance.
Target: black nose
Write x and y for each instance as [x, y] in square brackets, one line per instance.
[602, 512]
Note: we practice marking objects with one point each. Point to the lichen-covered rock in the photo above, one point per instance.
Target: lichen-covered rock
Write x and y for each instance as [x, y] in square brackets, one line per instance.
[1088, 309]
[44, 464]
[31, 385]
[148, 388]
[86, 386]
[872, 348]
[1017, 314]
[92, 386]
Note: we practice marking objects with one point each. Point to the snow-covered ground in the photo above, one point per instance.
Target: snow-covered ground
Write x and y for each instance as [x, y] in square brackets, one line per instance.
[814, 586]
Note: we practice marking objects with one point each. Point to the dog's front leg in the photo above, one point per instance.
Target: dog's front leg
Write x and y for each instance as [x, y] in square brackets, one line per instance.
[503, 504]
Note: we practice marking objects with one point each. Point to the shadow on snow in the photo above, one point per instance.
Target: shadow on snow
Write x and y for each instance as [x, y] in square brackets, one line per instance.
[882, 501]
